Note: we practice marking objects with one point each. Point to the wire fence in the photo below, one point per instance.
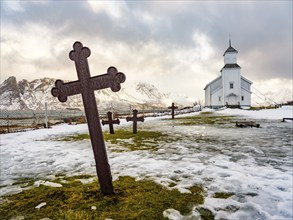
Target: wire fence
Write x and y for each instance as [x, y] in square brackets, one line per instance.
[12, 121]
[21, 120]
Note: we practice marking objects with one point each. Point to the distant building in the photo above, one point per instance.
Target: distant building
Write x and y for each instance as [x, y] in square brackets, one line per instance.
[230, 88]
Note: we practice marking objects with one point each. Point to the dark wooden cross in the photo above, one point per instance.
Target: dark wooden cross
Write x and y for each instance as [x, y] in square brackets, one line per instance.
[173, 107]
[86, 85]
[135, 119]
[110, 122]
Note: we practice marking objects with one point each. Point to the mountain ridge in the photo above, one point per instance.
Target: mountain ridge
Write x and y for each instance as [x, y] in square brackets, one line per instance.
[32, 95]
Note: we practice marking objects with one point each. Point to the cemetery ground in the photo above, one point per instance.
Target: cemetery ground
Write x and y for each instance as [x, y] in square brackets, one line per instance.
[196, 166]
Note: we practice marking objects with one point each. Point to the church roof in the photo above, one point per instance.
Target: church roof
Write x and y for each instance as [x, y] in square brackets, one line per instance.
[220, 77]
[230, 65]
[230, 50]
[246, 80]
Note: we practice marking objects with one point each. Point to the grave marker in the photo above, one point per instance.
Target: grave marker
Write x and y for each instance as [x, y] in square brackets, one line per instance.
[173, 107]
[135, 119]
[86, 85]
[110, 122]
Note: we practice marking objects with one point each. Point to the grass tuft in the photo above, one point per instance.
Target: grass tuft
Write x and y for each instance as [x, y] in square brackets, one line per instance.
[223, 195]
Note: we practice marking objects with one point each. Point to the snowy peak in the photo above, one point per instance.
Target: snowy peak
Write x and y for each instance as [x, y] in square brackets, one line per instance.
[9, 85]
[152, 93]
[10, 95]
[33, 95]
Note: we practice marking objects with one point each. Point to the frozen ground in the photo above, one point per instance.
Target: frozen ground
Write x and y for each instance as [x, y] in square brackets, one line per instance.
[253, 163]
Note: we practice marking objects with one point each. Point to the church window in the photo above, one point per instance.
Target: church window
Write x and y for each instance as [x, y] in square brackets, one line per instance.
[242, 98]
[231, 85]
[219, 98]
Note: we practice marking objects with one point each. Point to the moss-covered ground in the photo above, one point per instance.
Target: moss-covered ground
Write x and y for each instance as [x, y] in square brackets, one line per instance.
[142, 140]
[142, 199]
[205, 118]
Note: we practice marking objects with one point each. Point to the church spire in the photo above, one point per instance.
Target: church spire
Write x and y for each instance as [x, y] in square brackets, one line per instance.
[230, 48]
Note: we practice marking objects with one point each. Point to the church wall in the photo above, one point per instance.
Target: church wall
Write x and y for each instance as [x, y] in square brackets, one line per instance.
[230, 58]
[217, 98]
[246, 98]
[207, 96]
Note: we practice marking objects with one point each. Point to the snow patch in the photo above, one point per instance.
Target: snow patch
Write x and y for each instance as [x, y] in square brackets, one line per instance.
[46, 183]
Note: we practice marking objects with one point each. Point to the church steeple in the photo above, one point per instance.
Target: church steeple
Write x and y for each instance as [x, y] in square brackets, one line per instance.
[230, 48]
[230, 57]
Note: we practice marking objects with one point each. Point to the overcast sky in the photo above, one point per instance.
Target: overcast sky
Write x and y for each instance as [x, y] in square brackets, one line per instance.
[177, 46]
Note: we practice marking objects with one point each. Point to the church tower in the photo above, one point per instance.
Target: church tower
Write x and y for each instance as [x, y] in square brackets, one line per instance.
[231, 78]
[230, 55]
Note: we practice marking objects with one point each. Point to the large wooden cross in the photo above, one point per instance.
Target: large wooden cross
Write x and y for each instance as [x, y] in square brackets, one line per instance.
[86, 85]
[110, 122]
[135, 119]
[173, 107]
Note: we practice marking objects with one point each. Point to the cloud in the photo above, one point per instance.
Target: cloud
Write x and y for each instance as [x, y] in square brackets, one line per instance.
[112, 8]
[13, 5]
[177, 46]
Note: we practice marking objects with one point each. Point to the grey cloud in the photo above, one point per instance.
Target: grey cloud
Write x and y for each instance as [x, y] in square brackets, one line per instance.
[265, 26]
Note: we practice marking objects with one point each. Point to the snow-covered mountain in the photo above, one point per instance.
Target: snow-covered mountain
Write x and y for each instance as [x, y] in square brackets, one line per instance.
[24, 95]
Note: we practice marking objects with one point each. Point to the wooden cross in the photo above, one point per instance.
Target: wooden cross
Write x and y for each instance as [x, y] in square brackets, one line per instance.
[135, 119]
[173, 107]
[110, 122]
[86, 85]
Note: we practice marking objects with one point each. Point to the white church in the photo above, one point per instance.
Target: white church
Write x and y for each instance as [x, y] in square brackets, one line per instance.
[230, 88]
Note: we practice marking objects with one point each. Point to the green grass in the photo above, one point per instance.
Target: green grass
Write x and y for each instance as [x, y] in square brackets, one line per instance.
[24, 182]
[204, 118]
[143, 140]
[60, 177]
[76, 137]
[206, 113]
[142, 199]
[223, 195]
[262, 107]
[205, 213]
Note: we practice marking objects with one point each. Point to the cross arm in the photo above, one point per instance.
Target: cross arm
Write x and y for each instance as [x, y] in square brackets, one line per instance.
[116, 121]
[62, 90]
[105, 122]
[173, 107]
[129, 119]
[140, 119]
[111, 79]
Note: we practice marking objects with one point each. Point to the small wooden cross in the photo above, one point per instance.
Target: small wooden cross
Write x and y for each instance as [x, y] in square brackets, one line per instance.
[173, 107]
[110, 122]
[86, 85]
[135, 119]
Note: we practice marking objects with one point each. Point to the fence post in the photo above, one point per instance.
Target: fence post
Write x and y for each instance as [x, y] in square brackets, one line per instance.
[46, 115]
[7, 123]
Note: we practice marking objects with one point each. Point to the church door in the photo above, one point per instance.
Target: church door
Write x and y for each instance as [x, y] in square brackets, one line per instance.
[232, 99]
